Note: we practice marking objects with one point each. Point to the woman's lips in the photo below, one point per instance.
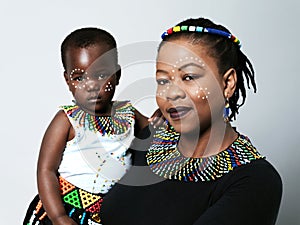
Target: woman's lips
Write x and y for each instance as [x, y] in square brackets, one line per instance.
[178, 112]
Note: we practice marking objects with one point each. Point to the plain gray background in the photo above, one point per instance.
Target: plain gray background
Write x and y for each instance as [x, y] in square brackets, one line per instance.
[32, 84]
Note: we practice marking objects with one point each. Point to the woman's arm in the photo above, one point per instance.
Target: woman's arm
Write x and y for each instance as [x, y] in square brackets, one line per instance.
[52, 147]
[252, 197]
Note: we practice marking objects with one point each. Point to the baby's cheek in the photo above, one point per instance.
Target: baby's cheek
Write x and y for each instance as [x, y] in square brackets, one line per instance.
[109, 87]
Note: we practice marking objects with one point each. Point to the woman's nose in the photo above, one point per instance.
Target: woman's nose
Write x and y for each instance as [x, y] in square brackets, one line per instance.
[174, 92]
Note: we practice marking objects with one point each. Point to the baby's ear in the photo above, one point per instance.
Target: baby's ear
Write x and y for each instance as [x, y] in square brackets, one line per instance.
[67, 79]
[118, 74]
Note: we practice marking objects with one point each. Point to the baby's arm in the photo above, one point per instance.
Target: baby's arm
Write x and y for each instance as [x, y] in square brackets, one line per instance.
[52, 147]
[141, 122]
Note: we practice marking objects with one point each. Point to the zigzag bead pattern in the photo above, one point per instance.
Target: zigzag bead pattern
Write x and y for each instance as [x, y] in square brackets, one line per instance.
[116, 124]
[165, 160]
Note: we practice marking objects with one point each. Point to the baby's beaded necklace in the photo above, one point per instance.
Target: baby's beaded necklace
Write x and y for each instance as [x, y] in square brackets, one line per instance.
[118, 123]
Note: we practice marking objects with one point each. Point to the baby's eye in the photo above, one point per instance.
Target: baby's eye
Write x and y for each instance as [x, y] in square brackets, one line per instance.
[162, 81]
[101, 76]
[78, 78]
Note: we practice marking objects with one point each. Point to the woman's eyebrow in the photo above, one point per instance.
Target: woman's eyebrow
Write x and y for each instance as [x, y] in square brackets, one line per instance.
[191, 64]
[161, 71]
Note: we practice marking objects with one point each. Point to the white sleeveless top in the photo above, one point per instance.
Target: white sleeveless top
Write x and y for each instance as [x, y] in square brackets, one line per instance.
[96, 158]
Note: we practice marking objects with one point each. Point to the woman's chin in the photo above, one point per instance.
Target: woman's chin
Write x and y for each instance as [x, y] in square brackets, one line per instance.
[186, 128]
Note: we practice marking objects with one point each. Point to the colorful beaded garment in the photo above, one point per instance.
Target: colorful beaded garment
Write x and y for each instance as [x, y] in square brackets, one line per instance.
[116, 124]
[80, 205]
[165, 160]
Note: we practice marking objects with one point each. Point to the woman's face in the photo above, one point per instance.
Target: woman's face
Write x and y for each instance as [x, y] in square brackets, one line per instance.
[189, 86]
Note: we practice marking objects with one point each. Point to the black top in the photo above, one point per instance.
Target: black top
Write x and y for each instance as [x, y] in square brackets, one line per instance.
[248, 195]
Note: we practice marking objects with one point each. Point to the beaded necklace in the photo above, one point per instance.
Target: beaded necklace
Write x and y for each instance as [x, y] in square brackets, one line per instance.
[116, 124]
[165, 160]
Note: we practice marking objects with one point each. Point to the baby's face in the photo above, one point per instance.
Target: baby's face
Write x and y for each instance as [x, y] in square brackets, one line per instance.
[91, 77]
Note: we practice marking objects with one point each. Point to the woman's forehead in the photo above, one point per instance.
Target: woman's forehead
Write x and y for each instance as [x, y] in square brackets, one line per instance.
[177, 52]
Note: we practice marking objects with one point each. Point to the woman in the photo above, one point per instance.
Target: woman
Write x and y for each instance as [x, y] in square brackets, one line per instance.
[200, 170]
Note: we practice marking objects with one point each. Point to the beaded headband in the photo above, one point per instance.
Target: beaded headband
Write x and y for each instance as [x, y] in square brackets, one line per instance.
[197, 29]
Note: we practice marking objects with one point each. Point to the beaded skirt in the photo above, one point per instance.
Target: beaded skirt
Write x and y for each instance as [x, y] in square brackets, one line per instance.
[82, 206]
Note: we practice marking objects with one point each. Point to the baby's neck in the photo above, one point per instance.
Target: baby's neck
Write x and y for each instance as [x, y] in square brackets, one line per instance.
[108, 111]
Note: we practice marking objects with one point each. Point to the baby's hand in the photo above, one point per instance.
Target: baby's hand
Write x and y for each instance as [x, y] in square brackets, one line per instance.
[64, 220]
[157, 119]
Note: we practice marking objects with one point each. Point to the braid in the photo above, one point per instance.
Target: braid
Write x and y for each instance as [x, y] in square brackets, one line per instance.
[226, 52]
[244, 70]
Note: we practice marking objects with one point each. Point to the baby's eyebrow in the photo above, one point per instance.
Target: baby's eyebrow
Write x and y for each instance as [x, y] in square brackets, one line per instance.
[77, 71]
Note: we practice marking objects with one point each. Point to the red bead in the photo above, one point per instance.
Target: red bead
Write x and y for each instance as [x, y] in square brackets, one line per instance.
[170, 31]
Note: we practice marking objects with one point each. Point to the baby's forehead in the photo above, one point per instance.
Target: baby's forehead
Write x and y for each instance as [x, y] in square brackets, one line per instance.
[92, 54]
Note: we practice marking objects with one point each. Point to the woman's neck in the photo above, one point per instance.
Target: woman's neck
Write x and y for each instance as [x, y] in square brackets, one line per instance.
[210, 141]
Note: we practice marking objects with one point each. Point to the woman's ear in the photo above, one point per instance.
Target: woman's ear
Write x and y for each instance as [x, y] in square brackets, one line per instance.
[229, 82]
[118, 74]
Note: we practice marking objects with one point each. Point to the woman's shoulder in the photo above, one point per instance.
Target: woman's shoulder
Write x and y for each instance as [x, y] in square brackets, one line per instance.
[259, 172]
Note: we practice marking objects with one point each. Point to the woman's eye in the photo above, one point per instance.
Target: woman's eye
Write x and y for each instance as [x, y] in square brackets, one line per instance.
[162, 81]
[189, 77]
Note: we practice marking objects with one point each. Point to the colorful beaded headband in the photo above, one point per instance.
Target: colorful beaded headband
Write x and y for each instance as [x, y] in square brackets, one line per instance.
[197, 29]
